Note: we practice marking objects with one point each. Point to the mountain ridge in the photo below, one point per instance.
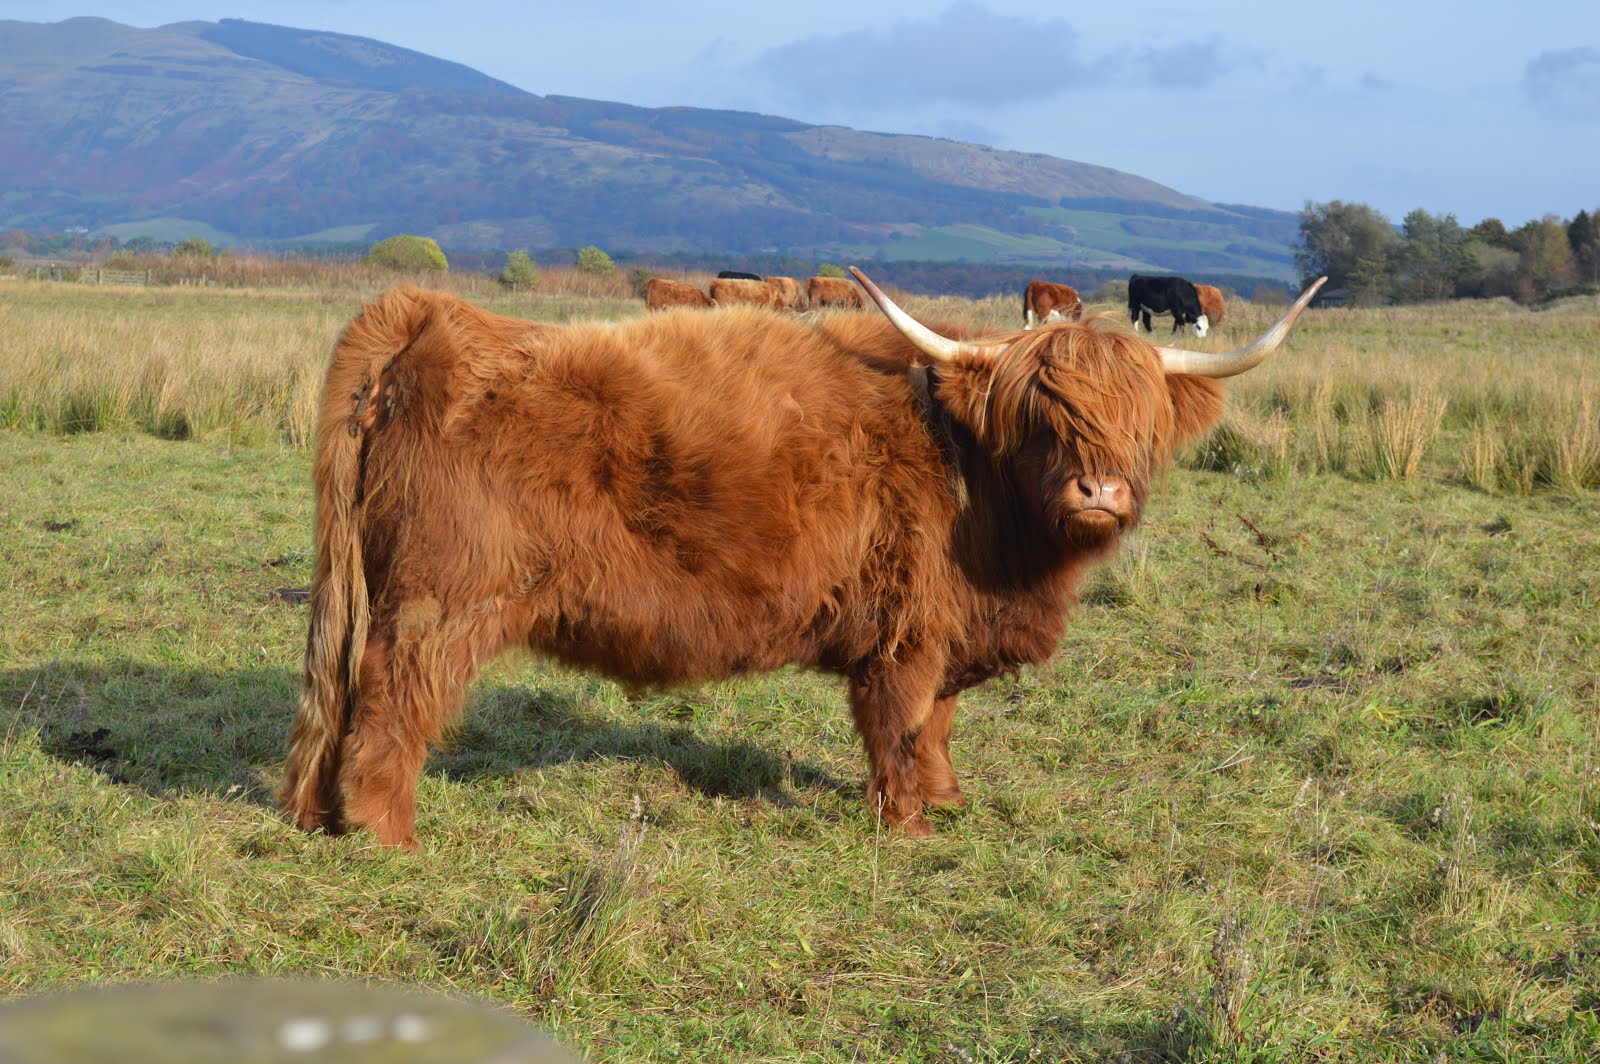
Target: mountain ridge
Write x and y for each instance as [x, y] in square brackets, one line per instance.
[274, 136]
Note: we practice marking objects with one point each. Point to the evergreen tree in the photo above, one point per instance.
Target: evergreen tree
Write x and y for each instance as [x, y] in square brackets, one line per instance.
[1433, 258]
[1583, 233]
[1492, 231]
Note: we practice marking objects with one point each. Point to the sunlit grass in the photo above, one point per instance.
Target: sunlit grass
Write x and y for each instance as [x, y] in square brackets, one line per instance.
[1314, 774]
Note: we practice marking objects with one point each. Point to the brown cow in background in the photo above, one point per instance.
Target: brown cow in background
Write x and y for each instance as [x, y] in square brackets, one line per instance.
[1211, 304]
[737, 291]
[789, 292]
[661, 293]
[683, 497]
[1044, 302]
[833, 292]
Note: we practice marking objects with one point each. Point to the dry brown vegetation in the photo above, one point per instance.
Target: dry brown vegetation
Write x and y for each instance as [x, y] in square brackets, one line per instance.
[1501, 397]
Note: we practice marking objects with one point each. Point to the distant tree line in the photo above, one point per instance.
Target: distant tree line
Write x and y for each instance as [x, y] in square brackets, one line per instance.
[1433, 257]
[966, 279]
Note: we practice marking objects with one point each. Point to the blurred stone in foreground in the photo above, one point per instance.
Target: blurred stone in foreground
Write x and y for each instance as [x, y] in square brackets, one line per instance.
[243, 1022]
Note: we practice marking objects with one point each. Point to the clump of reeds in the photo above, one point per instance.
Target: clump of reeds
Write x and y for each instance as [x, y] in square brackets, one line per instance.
[1551, 446]
[1574, 448]
[1233, 1019]
[589, 917]
[1398, 435]
[1248, 445]
[1453, 817]
[1484, 457]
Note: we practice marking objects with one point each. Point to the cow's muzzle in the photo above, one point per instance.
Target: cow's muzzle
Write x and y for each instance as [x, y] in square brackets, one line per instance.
[1094, 509]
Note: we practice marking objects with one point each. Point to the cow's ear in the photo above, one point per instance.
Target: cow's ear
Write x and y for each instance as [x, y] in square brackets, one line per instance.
[964, 388]
[1197, 404]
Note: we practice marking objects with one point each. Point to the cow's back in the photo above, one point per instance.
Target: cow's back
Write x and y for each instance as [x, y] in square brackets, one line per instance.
[676, 497]
[833, 292]
[739, 291]
[790, 295]
[661, 293]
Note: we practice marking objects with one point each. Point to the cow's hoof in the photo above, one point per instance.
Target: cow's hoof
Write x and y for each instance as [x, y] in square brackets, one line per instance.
[951, 799]
[915, 824]
[315, 820]
[406, 843]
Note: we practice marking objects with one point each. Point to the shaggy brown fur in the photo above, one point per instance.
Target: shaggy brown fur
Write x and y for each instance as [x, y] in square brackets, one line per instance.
[833, 292]
[736, 291]
[1211, 303]
[1041, 298]
[790, 297]
[661, 293]
[684, 497]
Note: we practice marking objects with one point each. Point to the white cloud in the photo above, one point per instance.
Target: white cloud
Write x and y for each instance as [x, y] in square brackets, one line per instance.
[1565, 83]
[964, 54]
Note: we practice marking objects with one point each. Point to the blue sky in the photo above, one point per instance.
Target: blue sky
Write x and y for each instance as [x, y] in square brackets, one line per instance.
[1469, 108]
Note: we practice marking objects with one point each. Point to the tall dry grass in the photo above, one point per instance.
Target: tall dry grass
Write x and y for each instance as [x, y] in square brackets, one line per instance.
[329, 275]
[1489, 393]
[237, 363]
[1398, 435]
[175, 365]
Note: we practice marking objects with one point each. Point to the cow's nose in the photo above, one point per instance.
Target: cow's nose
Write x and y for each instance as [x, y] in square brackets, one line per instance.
[1103, 493]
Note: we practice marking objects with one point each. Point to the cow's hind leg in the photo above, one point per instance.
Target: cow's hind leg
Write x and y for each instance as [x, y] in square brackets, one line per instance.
[414, 676]
[311, 787]
[892, 702]
[936, 774]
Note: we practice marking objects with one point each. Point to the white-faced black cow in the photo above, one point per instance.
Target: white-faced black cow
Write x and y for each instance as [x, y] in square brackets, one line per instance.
[1165, 295]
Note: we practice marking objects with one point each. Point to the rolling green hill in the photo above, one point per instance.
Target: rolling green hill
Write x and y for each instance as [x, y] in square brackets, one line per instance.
[269, 135]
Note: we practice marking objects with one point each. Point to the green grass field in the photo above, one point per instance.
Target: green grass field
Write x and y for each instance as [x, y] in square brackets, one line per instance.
[1315, 774]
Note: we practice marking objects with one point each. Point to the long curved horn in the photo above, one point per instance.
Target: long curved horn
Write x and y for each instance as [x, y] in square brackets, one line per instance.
[939, 348]
[1229, 363]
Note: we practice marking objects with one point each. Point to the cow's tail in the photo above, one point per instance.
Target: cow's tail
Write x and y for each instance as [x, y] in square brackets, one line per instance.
[337, 635]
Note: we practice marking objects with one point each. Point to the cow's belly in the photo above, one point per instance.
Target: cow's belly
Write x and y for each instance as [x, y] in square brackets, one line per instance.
[648, 620]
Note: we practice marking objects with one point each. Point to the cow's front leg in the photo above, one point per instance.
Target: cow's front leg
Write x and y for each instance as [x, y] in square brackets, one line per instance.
[936, 774]
[892, 701]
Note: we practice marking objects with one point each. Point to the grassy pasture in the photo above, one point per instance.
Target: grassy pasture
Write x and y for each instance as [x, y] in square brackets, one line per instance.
[1315, 774]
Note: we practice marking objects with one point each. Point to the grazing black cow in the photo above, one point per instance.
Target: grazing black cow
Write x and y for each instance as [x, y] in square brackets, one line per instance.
[1165, 295]
[737, 275]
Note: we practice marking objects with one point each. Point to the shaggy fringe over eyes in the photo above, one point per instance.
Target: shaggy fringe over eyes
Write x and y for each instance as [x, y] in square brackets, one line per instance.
[1102, 393]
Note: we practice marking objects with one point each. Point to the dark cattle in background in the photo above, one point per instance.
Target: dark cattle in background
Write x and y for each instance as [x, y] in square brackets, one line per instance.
[1045, 301]
[680, 497]
[1165, 295]
[731, 291]
[737, 275]
[661, 293]
[833, 292]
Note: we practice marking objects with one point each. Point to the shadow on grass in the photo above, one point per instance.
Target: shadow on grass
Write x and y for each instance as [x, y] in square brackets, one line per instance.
[166, 729]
